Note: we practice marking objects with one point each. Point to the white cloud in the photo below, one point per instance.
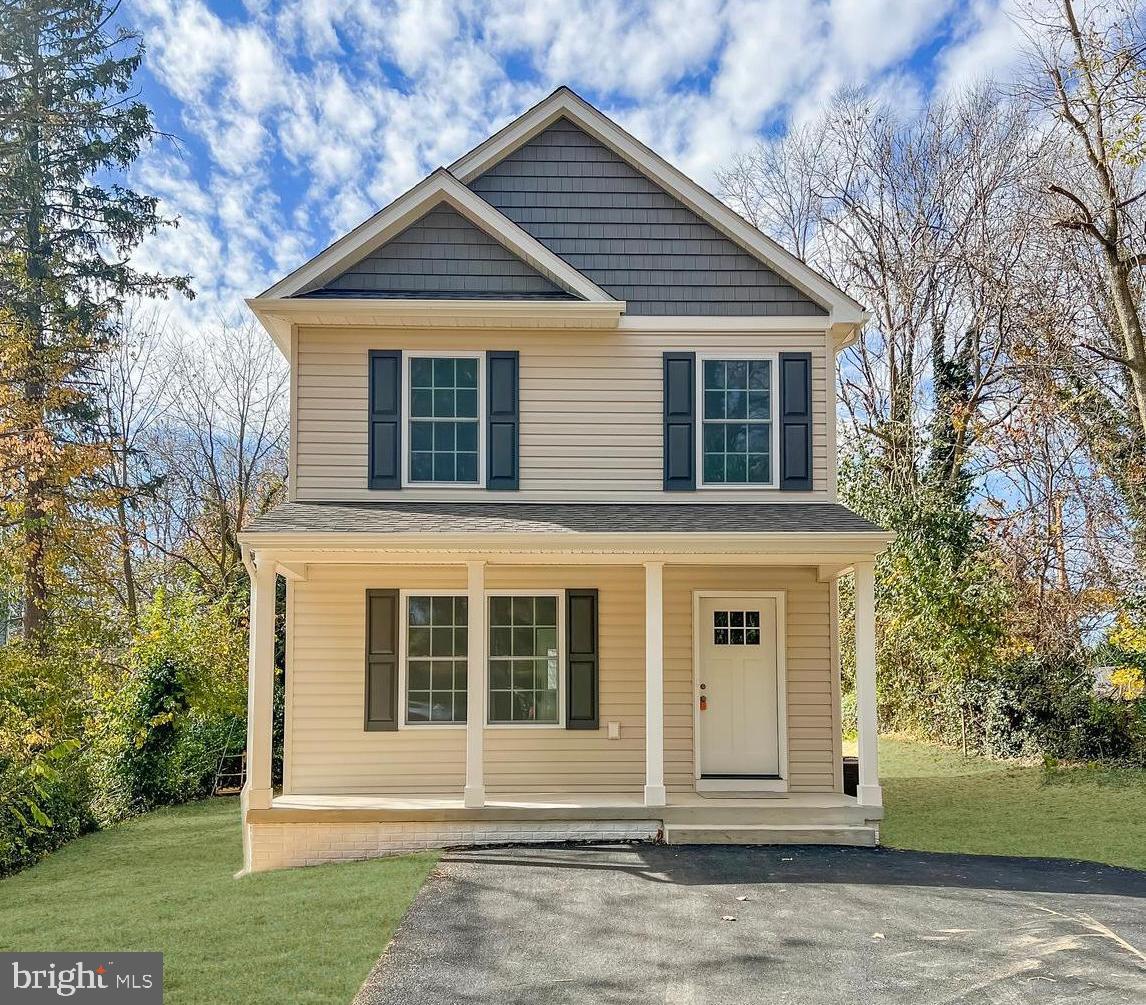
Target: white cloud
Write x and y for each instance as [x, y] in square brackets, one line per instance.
[990, 46]
[303, 117]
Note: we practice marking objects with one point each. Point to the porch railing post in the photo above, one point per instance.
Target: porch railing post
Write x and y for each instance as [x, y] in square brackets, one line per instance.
[260, 686]
[869, 793]
[474, 794]
[654, 685]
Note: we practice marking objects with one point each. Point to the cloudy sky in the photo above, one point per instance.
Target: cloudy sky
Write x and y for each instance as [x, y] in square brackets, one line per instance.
[293, 121]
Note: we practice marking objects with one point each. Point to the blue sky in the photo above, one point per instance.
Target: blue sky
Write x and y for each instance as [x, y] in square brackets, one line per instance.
[293, 121]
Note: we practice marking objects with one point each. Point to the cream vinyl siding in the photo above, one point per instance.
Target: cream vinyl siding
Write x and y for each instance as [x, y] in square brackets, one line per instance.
[520, 760]
[591, 411]
[327, 750]
[813, 697]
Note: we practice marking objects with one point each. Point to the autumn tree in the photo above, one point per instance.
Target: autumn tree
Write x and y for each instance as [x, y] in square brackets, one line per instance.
[221, 448]
[69, 126]
[1087, 78]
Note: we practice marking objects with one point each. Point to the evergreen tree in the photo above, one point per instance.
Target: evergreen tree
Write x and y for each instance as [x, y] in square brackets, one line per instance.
[70, 126]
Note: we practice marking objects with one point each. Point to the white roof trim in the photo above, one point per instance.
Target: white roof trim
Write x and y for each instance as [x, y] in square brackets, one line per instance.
[771, 543]
[437, 188]
[278, 316]
[564, 102]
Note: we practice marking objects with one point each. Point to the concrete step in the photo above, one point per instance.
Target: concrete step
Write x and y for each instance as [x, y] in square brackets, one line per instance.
[778, 814]
[856, 835]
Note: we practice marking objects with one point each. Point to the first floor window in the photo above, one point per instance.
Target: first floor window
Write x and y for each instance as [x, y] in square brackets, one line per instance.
[737, 397]
[436, 647]
[524, 668]
[444, 426]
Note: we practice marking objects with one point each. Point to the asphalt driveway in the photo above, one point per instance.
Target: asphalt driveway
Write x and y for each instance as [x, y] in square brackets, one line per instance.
[804, 926]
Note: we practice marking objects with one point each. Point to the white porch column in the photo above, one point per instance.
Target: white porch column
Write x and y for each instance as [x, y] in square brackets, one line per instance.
[654, 685]
[476, 676]
[260, 686]
[869, 793]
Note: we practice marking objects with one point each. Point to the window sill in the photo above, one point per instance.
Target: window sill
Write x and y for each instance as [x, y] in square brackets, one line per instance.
[432, 725]
[524, 725]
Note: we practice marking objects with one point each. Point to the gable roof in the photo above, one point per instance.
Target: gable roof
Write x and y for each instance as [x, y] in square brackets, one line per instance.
[642, 245]
[442, 254]
[438, 188]
[566, 104]
[730, 267]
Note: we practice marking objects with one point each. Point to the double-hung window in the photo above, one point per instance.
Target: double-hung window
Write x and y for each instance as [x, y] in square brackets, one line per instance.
[737, 444]
[444, 420]
[436, 630]
[524, 665]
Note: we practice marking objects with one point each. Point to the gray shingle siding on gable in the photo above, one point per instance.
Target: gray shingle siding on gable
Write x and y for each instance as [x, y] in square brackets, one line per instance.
[633, 239]
[442, 255]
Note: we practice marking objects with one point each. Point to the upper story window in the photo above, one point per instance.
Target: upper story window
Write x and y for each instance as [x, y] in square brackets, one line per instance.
[444, 422]
[738, 435]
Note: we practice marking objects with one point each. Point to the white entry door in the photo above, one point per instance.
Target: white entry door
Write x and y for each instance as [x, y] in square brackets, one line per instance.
[737, 687]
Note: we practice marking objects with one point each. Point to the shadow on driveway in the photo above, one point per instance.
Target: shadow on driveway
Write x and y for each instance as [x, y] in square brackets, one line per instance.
[806, 925]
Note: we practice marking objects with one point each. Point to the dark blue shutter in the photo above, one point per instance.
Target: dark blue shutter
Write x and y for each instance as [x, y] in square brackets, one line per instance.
[385, 438]
[679, 421]
[796, 421]
[502, 420]
[381, 660]
[582, 660]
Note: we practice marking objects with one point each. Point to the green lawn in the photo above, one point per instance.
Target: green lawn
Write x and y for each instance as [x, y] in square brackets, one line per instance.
[935, 800]
[164, 882]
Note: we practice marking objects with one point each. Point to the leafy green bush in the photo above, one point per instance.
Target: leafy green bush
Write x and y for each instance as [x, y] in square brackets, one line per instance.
[1040, 706]
[44, 788]
[940, 603]
[184, 703]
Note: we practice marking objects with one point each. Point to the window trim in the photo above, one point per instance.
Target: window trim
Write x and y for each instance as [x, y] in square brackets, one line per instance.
[407, 400]
[404, 596]
[736, 355]
[559, 595]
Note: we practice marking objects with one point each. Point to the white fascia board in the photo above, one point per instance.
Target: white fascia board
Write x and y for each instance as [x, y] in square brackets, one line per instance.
[797, 324]
[278, 316]
[565, 103]
[437, 188]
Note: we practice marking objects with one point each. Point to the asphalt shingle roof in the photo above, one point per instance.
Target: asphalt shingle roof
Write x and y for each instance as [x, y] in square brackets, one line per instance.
[559, 518]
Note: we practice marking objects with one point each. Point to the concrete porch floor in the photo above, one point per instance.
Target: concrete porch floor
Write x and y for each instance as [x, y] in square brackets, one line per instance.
[689, 818]
[542, 802]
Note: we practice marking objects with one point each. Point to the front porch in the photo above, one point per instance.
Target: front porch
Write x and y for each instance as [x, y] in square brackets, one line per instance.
[636, 772]
[310, 829]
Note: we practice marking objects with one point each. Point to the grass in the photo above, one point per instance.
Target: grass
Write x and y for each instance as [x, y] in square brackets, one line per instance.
[164, 882]
[936, 800]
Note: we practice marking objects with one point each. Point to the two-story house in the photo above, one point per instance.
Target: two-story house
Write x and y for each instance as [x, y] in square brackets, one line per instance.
[562, 539]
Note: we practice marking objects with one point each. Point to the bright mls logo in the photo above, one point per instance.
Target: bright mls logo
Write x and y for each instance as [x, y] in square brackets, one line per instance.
[134, 978]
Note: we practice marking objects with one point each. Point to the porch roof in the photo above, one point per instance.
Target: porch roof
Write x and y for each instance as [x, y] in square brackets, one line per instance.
[560, 518]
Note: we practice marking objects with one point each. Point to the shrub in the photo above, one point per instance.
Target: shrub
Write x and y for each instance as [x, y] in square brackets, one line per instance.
[1040, 706]
[44, 787]
[184, 703]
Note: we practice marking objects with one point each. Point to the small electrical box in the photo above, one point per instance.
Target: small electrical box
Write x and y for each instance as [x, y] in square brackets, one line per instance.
[614, 730]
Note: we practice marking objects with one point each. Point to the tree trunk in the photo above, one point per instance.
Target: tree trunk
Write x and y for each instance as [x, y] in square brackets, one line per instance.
[129, 590]
[36, 488]
[1130, 324]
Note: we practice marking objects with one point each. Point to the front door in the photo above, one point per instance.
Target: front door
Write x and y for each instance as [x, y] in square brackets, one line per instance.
[737, 687]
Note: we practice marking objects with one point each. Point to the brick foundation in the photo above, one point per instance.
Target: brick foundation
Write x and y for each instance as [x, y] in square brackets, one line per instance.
[281, 846]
